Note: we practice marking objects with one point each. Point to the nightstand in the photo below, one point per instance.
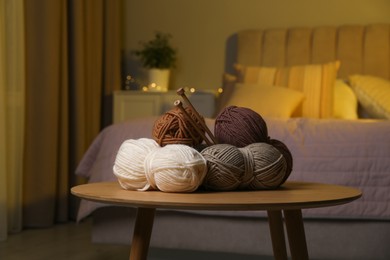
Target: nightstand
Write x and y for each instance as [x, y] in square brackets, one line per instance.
[129, 104]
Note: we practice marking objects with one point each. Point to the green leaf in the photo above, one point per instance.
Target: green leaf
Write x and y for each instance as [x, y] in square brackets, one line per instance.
[157, 53]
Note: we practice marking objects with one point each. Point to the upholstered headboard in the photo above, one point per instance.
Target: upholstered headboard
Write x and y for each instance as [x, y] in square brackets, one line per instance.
[338, 70]
[361, 49]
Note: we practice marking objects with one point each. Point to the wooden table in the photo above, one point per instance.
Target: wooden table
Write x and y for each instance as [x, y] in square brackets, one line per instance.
[287, 201]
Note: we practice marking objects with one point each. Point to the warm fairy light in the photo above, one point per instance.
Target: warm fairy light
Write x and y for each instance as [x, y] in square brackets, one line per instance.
[220, 90]
[154, 87]
[145, 88]
[192, 90]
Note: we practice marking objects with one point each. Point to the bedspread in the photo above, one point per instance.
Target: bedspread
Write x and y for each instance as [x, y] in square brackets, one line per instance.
[345, 152]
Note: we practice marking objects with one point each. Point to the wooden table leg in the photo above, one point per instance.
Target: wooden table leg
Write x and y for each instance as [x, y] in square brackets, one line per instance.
[296, 234]
[142, 233]
[275, 222]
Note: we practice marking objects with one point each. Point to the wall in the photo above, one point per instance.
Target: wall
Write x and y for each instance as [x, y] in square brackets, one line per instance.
[201, 29]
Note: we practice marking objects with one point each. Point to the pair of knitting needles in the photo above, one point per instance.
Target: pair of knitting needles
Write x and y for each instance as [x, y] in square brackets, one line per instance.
[202, 128]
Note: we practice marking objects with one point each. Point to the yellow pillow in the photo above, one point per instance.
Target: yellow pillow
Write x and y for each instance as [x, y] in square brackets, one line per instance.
[345, 101]
[373, 94]
[268, 101]
[316, 81]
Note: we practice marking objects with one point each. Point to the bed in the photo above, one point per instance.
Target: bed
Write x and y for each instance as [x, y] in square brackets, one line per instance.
[338, 138]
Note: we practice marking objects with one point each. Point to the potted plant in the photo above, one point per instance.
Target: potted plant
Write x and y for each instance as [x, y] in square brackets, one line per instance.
[159, 57]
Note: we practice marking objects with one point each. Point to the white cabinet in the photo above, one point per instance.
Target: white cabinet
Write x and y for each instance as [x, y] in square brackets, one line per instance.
[130, 104]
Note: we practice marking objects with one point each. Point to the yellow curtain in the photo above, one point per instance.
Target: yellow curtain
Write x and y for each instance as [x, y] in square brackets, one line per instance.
[11, 115]
[94, 72]
[66, 68]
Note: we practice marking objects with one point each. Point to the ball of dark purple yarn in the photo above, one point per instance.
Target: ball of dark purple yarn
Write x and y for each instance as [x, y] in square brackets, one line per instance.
[240, 126]
[283, 149]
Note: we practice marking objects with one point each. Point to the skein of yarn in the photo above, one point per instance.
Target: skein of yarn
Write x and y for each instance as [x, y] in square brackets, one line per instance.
[129, 163]
[268, 167]
[175, 168]
[174, 128]
[256, 166]
[240, 126]
[225, 167]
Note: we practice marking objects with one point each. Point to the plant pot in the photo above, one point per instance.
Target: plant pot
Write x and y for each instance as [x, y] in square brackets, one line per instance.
[158, 79]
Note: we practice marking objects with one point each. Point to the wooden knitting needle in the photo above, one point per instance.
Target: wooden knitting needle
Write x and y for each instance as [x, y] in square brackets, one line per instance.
[181, 92]
[178, 104]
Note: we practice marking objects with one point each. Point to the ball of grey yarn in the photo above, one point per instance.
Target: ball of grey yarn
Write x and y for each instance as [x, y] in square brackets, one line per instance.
[225, 167]
[266, 167]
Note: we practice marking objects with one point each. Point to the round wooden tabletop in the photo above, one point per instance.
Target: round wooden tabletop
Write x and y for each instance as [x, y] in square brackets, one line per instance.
[291, 195]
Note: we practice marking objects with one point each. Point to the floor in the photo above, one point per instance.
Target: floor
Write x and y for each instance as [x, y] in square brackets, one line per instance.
[72, 241]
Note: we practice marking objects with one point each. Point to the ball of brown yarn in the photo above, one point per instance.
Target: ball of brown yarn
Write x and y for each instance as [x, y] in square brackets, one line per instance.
[240, 126]
[174, 128]
[267, 167]
[283, 149]
[225, 167]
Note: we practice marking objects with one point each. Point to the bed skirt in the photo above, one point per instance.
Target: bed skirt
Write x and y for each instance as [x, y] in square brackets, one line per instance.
[326, 239]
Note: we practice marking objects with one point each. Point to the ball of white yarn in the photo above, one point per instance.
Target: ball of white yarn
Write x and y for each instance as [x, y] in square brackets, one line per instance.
[129, 163]
[175, 168]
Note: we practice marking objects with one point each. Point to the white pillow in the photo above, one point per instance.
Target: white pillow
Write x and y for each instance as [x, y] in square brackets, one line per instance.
[344, 101]
[373, 94]
[268, 101]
